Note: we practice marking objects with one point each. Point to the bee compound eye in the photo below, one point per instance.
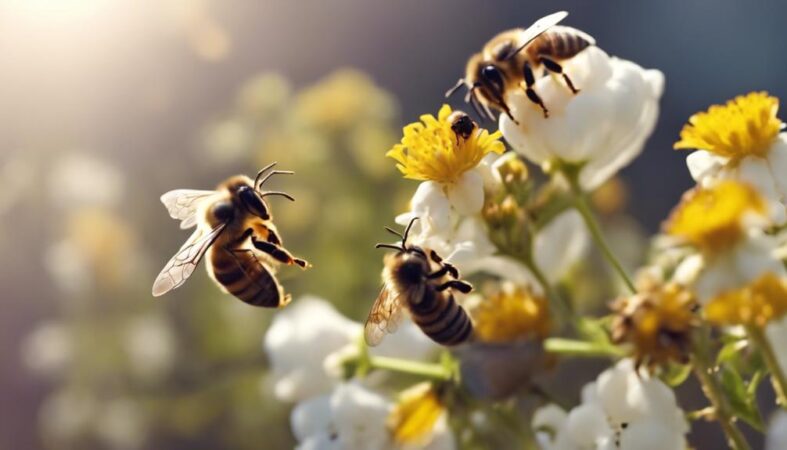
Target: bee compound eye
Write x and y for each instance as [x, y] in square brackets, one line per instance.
[493, 76]
[223, 211]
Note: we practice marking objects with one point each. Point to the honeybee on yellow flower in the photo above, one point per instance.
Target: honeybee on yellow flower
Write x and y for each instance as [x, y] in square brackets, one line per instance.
[236, 231]
[514, 57]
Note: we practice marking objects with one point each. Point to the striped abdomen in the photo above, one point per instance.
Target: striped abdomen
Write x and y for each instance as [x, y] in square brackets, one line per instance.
[245, 275]
[559, 43]
[441, 318]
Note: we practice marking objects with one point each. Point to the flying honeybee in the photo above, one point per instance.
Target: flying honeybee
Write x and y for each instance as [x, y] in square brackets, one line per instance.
[514, 57]
[417, 279]
[235, 229]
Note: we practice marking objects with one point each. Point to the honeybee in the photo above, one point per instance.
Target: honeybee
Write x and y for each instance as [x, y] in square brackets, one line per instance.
[417, 279]
[513, 57]
[235, 229]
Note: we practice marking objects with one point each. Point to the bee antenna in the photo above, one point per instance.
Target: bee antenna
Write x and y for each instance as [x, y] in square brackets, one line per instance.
[282, 194]
[394, 232]
[455, 88]
[407, 230]
[391, 246]
[263, 170]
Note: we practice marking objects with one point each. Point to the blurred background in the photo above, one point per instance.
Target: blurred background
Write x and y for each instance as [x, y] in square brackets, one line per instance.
[106, 104]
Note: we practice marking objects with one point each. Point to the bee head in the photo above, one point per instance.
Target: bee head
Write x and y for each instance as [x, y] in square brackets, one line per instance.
[413, 266]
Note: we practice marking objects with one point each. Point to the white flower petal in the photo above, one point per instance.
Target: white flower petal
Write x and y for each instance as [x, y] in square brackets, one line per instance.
[297, 343]
[467, 195]
[587, 423]
[560, 244]
[703, 164]
[651, 435]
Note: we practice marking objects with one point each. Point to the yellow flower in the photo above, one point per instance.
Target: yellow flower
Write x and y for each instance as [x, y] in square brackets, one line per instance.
[413, 419]
[657, 322]
[430, 150]
[511, 314]
[746, 125]
[712, 218]
[763, 300]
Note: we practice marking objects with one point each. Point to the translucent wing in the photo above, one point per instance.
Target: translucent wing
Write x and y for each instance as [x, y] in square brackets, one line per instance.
[182, 265]
[384, 318]
[182, 205]
[540, 26]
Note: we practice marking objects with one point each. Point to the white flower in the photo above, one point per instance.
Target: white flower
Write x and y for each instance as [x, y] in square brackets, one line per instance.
[735, 268]
[353, 417]
[298, 341]
[622, 409]
[604, 126]
[776, 332]
[308, 341]
[777, 432]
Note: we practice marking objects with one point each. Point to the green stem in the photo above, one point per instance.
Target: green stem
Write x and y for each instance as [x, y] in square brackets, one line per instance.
[777, 374]
[714, 392]
[585, 349]
[583, 207]
[435, 372]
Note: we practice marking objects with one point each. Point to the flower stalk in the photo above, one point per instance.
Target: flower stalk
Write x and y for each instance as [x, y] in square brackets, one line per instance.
[722, 411]
[572, 347]
[580, 203]
[778, 378]
[364, 363]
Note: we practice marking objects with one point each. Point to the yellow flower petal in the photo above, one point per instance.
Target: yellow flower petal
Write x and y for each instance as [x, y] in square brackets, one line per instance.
[746, 125]
[763, 300]
[430, 150]
[712, 218]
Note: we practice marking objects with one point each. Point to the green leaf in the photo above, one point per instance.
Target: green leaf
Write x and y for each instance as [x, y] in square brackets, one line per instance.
[594, 330]
[675, 374]
[742, 402]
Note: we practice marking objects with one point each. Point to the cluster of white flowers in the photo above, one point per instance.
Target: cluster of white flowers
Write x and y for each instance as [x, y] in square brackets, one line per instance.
[622, 409]
[307, 344]
[354, 417]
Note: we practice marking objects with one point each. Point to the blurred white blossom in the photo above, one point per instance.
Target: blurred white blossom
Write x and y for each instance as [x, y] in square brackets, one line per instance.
[604, 126]
[308, 341]
[150, 344]
[49, 348]
[80, 179]
[776, 438]
[622, 410]
[354, 417]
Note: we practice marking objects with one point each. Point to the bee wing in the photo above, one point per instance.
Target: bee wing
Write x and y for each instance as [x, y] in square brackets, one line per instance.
[182, 204]
[182, 265]
[384, 318]
[539, 26]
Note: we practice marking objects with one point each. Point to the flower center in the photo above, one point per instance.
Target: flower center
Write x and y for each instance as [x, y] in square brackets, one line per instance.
[745, 125]
[412, 420]
[432, 150]
[712, 218]
[510, 315]
[763, 300]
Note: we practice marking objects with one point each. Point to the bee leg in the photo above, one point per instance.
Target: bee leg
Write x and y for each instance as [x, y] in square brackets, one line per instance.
[278, 253]
[439, 273]
[530, 80]
[554, 67]
[273, 238]
[461, 286]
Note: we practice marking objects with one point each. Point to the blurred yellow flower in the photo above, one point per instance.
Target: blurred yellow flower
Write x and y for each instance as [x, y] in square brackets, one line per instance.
[746, 125]
[430, 150]
[341, 100]
[657, 322]
[713, 218]
[758, 303]
[414, 417]
[511, 314]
